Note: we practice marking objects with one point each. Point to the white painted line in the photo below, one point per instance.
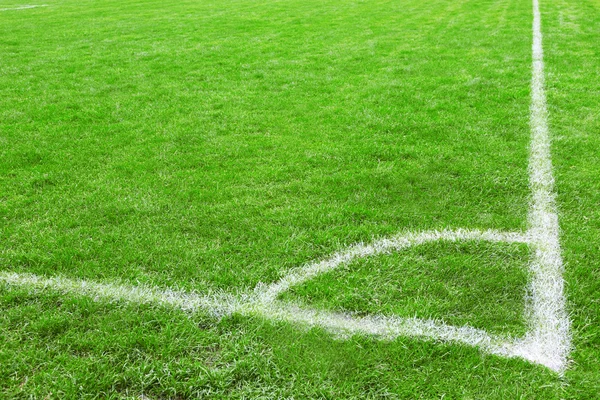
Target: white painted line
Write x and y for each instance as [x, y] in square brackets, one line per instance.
[214, 303]
[385, 327]
[219, 304]
[392, 327]
[24, 7]
[382, 246]
[547, 342]
[549, 337]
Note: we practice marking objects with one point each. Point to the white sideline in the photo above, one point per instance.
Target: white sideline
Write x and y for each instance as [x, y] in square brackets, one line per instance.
[24, 7]
[549, 336]
[547, 341]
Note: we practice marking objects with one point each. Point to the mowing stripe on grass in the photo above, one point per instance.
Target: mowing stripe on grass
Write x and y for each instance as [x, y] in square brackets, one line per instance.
[24, 7]
[547, 341]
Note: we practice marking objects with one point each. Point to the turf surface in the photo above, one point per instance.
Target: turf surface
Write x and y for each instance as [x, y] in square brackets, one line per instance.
[218, 145]
[209, 145]
[479, 284]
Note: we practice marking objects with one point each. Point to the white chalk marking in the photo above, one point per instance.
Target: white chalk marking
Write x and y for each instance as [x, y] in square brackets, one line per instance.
[215, 303]
[219, 304]
[382, 246]
[24, 7]
[547, 341]
[549, 337]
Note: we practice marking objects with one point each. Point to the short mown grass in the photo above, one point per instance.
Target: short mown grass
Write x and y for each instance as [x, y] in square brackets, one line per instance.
[478, 284]
[217, 145]
[60, 347]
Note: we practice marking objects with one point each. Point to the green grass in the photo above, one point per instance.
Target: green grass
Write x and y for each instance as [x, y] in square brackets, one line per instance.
[78, 348]
[215, 145]
[218, 145]
[479, 284]
[573, 64]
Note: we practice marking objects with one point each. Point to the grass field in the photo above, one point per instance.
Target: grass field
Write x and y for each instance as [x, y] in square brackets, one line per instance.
[215, 148]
